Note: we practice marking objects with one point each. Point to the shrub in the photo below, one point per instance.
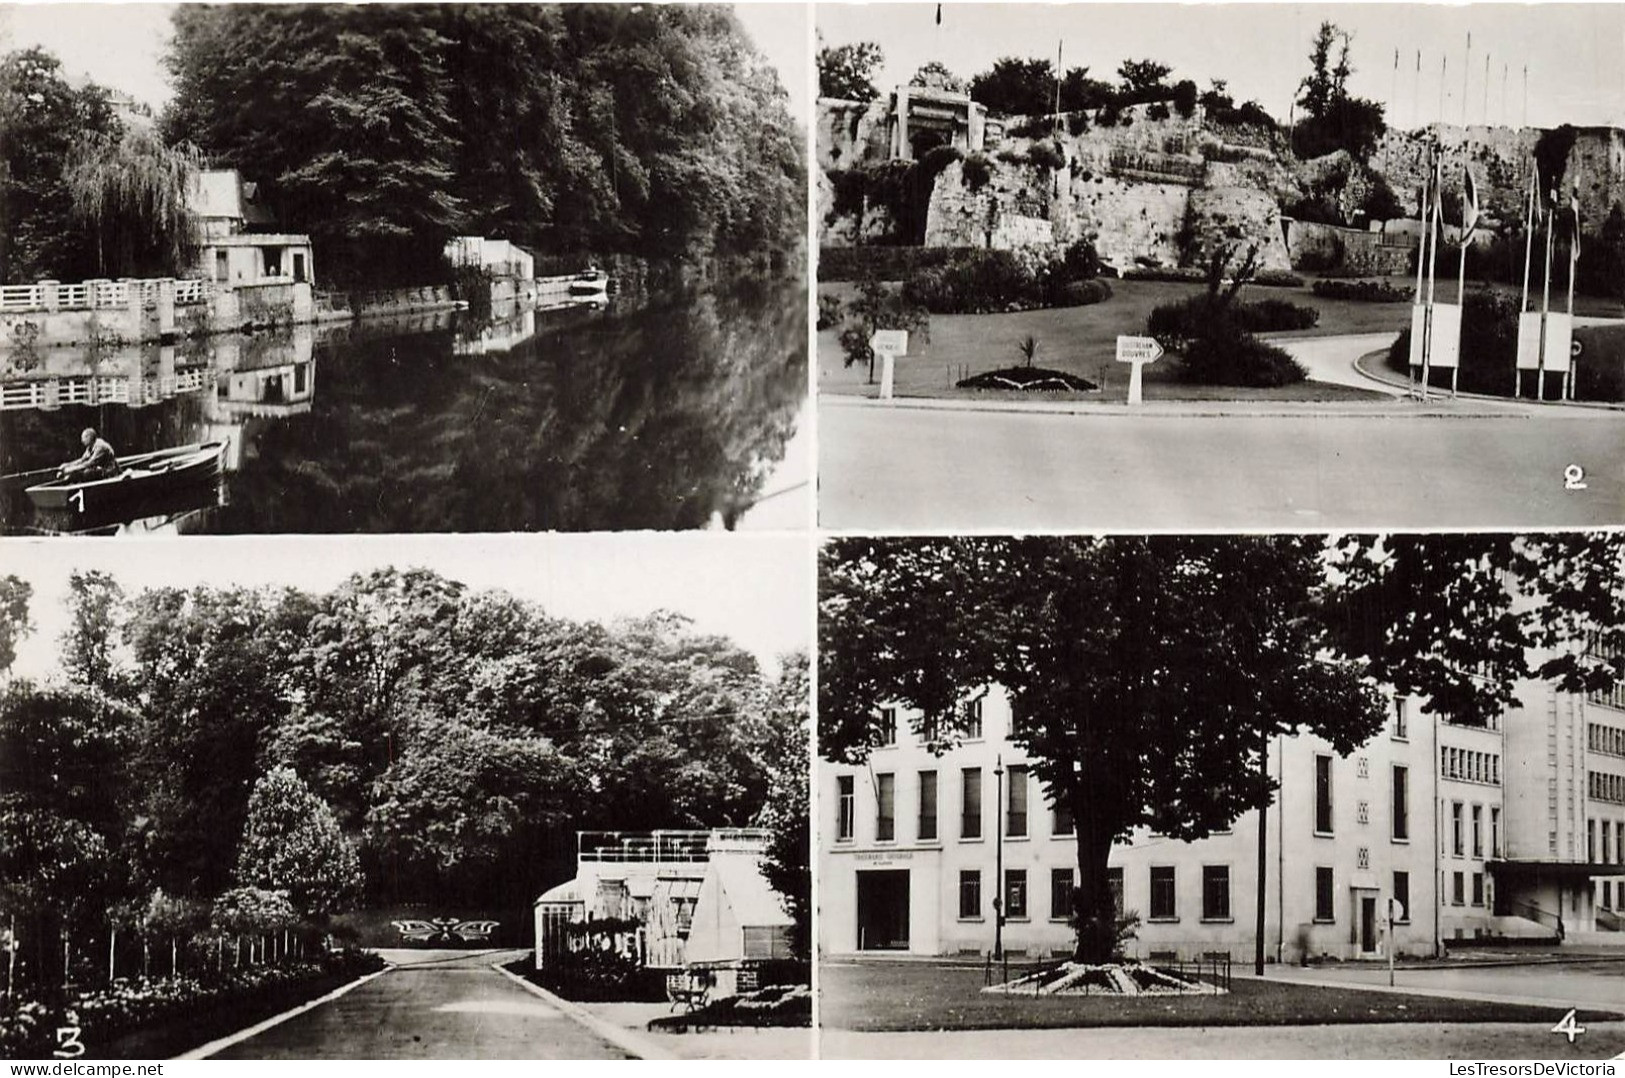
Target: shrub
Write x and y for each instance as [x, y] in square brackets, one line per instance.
[1274, 278]
[829, 311]
[877, 307]
[1048, 155]
[1079, 262]
[1080, 293]
[1192, 317]
[977, 282]
[1362, 291]
[1159, 111]
[976, 171]
[887, 263]
[1033, 127]
[1234, 358]
[1489, 345]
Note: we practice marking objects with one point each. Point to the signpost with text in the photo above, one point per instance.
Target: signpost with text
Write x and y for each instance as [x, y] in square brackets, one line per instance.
[888, 344]
[1139, 351]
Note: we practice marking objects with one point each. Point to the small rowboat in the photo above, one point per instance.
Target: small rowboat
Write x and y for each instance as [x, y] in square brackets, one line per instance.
[139, 477]
[592, 282]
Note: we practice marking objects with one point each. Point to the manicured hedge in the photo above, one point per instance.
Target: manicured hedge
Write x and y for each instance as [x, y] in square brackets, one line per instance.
[886, 263]
[1174, 322]
[1362, 291]
[1269, 278]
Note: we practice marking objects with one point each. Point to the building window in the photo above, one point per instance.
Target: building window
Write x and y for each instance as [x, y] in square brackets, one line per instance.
[1162, 893]
[1362, 767]
[1401, 719]
[1215, 892]
[970, 803]
[1362, 858]
[1402, 895]
[1458, 844]
[1613, 695]
[1015, 820]
[970, 894]
[885, 808]
[1060, 894]
[1015, 893]
[1402, 804]
[970, 719]
[1325, 900]
[846, 808]
[1114, 883]
[1608, 740]
[1362, 812]
[1061, 822]
[928, 806]
[1478, 830]
[1478, 888]
[1323, 795]
[1458, 888]
[1607, 842]
[1605, 787]
[1495, 831]
[1591, 841]
[888, 727]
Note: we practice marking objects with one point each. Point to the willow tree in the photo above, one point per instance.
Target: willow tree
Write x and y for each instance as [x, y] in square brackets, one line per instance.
[131, 192]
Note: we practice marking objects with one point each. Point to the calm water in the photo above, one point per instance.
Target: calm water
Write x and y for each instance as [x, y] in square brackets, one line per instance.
[653, 413]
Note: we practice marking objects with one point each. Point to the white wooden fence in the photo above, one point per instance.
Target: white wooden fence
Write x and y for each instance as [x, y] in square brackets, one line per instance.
[91, 295]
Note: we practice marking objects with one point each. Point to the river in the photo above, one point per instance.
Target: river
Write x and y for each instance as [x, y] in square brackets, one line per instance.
[653, 412]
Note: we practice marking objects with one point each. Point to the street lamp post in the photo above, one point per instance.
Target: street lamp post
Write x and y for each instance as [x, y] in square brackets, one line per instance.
[998, 858]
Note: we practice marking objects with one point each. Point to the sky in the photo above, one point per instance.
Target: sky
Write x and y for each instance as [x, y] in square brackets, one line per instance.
[757, 590]
[121, 45]
[1575, 53]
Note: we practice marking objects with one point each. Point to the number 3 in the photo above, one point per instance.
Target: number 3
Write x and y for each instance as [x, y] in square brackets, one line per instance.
[67, 1037]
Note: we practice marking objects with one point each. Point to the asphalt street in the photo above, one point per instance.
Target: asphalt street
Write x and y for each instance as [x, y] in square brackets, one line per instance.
[435, 1005]
[1380, 464]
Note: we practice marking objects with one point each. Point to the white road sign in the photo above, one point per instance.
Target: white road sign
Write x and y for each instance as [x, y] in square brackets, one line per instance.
[1138, 350]
[889, 342]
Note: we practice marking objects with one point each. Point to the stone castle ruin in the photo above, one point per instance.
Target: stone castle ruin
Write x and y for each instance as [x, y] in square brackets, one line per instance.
[1157, 188]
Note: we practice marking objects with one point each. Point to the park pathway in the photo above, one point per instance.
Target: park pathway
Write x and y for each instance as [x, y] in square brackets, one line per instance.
[433, 1005]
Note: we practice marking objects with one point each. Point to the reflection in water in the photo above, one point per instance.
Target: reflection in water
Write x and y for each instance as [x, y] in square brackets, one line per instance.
[654, 413]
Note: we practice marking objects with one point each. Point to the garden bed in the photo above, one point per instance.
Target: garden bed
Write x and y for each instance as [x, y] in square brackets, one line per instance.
[1029, 379]
[775, 1005]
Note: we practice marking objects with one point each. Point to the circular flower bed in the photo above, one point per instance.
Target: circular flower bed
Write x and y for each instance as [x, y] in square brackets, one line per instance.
[1041, 379]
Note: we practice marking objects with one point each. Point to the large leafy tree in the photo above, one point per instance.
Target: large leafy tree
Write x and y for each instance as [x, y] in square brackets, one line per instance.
[1016, 87]
[14, 621]
[787, 815]
[292, 843]
[130, 192]
[847, 72]
[87, 643]
[1147, 674]
[1334, 118]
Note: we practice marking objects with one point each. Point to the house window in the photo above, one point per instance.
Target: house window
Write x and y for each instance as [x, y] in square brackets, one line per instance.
[1162, 893]
[1458, 845]
[1060, 894]
[1401, 719]
[1215, 892]
[1061, 822]
[847, 808]
[1402, 895]
[1114, 883]
[888, 727]
[1323, 795]
[970, 894]
[1402, 805]
[1362, 767]
[1015, 820]
[1478, 888]
[1362, 858]
[273, 261]
[928, 806]
[1458, 888]
[1495, 831]
[222, 266]
[1325, 900]
[971, 719]
[970, 803]
[1478, 830]
[885, 807]
[1015, 892]
[1362, 812]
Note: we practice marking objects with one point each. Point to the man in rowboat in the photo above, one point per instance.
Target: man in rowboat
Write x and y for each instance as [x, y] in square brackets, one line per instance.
[98, 462]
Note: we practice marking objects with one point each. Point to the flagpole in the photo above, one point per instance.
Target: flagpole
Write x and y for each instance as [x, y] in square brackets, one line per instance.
[1486, 88]
[1466, 74]
[1545, 311]
[1444, 73]
[1528, 255]
[1461, 280]
[1423, 220]
[1574, 264]
[1433, 259]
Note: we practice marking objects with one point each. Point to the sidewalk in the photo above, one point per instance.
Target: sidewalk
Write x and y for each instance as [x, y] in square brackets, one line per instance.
[1398, 408]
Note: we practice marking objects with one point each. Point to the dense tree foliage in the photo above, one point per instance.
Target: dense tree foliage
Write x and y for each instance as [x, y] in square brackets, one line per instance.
[382, 130]
[129, 192]
[787, 815]
[847, 71]
[1334, 119]
[292, 843]
[1016, 87]
[15, 624]
[1147, 675]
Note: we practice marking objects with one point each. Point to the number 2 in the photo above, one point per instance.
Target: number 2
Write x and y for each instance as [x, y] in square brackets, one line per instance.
[1574, 477]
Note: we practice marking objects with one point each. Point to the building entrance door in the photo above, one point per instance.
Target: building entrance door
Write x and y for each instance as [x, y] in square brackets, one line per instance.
[299, 267]
[1368, 924]
[883, 910]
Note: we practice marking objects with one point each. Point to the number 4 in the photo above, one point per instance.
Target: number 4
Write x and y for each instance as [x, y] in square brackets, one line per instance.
[1569, 1027]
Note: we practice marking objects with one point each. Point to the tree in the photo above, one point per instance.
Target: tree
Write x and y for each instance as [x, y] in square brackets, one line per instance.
[787, 815]
[1015, 87]
[1601, 271]
[1140, 77]
[1079, 92]
[877, 307]
[1147, 675]
[14, 622]
[935, 74]
[1334, 119]
[87, 644]
[292, 843]
[846, 71]
[131, 193]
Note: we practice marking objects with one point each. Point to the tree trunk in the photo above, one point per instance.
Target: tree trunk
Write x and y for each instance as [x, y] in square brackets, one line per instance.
[112, 955]
[1094, 909]
[146, 958]
[11, 957]
[67, 958]
[174, 957]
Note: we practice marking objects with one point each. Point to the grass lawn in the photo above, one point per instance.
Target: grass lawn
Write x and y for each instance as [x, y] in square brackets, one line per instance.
[1082, 341]
[903, 996]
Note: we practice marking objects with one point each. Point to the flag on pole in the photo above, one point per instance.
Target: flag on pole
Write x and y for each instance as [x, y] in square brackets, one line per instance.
[1574, 242]
[939, 14]
[1469, 206]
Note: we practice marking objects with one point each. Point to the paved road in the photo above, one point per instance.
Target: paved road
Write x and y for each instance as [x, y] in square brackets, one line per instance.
[1331, 359]
[1579, 984]
[1358, 465]
[436, 1005]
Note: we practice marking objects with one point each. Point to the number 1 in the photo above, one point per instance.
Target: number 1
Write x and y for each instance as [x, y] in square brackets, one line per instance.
[78, 499]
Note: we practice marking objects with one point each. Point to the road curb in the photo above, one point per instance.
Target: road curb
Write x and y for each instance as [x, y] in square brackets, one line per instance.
[1382, 410]
[1446, 993]
[255, 1030]
[1390, 379]
[629, 1041]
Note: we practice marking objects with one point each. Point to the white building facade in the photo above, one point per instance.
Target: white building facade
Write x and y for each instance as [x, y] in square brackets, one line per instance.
[914, 847]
